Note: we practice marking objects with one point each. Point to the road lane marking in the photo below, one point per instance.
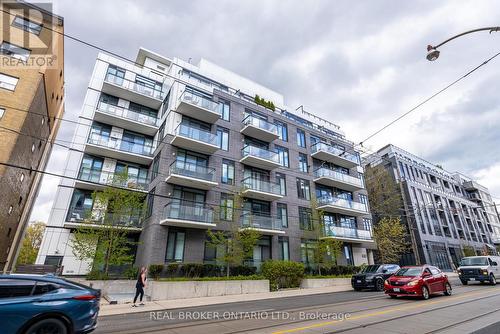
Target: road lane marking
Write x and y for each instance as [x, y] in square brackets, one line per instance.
[390, 310]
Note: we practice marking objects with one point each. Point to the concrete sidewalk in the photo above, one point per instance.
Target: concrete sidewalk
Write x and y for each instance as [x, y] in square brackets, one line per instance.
[107, 309]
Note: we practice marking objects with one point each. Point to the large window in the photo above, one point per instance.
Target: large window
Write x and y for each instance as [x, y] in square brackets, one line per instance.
[283, 156]
[115, 74]
[303, 189]
[155, 166]
[227, 176]
[303, 162]
[150, 202]
[305, 219]
[91, 167]
[281, 181]
[284, 248]
[27, 25]
[223, 138]
[282, 130]
[8, 82]
[301, 138]
[307, 250]
[226, 206]
[282, 214]
[225, 109]
[80, 206]
[175, 246]
[14, 51]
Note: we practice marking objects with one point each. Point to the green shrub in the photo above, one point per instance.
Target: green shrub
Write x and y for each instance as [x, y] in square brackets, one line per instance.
[283, 274]
[213, 278]
[131, 272]
[172, 269]
[95, 275]
[192, 269]
[155, 270]
[242, 270]
[211, 270]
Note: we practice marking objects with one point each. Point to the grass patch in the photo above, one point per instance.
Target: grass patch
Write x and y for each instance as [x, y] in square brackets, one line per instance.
[230, 278]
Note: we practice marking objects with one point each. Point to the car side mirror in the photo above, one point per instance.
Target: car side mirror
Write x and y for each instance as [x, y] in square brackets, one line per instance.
[494, 264]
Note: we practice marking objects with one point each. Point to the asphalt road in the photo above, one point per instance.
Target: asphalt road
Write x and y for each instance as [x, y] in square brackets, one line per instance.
[470, 308]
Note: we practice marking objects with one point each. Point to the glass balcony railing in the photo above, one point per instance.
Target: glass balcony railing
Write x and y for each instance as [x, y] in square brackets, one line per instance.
[110, 178]
[254, 151]
[266, 222]
[137, 87]
[201, 101]
[260, 123]
[192, 170]
[189, 211]
[120, 145]
[196, 134]
[332, 230]
[335, 151]
[325, 172]
[341, 202]
[127, 113]
[253, 183]
[100, 217]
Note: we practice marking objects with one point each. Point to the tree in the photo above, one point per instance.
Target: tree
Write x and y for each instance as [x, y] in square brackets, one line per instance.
[103, 237]
[391, 238]
[236, 244]
[31, 243]
[327, 250]
[384, 194]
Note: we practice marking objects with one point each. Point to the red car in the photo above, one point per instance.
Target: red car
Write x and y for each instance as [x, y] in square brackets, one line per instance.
[417, 281]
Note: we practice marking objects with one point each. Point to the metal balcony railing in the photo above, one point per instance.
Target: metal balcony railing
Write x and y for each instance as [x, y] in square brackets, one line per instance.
[325, 172]
[135, 86]
[201, 101]
[189, 211]
[259, 221]
[120, 145]
[347, 232]
[100, 217]
[319, 146]
[260, 185]
[341, 202]
[127, 114]
[196, 134]
[254, 151]
[260, 123]
[192, 170]
[110, 178]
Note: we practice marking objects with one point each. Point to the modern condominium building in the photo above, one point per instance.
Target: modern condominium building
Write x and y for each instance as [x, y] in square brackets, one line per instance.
[444, 211]
[31, 105]
[192, 137]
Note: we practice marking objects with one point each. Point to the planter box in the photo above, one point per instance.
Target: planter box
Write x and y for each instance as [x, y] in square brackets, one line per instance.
[157, 290]
[309, 283]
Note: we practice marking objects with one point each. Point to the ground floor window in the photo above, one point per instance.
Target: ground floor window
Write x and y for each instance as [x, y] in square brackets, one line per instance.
[307, 251]
[348, 254]
[175, 246]
[284, 248]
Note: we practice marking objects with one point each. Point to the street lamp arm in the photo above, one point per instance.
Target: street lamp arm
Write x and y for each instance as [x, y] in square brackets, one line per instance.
[491, 29]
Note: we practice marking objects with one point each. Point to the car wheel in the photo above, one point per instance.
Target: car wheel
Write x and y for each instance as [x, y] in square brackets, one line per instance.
[393, 297]
[357, 289]
[447, 289]
[425, 293]
[379, 285]
[464, 282]
[48, 326]
[493, 280]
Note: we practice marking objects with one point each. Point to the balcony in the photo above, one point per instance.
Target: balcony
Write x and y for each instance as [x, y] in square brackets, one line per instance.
[259, 189]
[198, 107]
[259, 128]
[98, 219]
[126, 118]
[342, 206]
[194, 139]
[119, 149]
[191, 175]
[334, 155]
[131, 90]
[337, 179]
[259, 157]
[347, 233]
[91, 179]
[188, 214]
[261, 223]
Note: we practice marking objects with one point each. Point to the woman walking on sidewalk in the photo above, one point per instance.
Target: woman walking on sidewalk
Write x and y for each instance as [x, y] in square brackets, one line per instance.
[140, 285]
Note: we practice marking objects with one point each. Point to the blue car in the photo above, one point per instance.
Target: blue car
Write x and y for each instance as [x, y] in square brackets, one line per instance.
[34, 304]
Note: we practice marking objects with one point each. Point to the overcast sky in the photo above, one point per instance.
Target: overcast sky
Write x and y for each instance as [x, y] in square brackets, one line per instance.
[358, 64]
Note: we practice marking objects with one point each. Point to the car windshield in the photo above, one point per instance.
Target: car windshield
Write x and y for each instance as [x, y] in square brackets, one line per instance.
[474, 261]
[414, 271]
[370, 269]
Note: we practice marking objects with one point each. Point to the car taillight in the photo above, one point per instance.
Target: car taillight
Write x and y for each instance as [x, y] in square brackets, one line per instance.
[85, 297]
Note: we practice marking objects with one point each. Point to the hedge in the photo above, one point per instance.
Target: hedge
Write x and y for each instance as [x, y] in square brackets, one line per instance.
[283, 274]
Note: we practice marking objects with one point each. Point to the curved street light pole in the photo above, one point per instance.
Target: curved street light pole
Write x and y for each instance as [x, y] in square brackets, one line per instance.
[433, 53]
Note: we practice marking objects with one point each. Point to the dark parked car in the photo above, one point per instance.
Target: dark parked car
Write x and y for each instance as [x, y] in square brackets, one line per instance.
[373, 276]
[417, 281]
[46, 304]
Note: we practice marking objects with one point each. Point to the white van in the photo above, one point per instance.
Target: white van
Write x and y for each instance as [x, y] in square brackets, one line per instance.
[479, 268]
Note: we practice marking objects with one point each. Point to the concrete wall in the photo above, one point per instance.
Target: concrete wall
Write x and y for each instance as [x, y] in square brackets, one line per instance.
[310, 283]
[157, 290]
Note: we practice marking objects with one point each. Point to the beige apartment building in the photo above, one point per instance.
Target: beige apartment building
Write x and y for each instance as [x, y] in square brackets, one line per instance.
[31, 106]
